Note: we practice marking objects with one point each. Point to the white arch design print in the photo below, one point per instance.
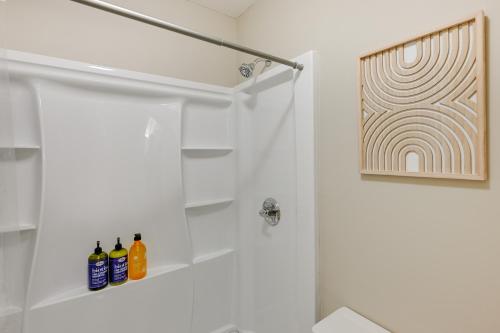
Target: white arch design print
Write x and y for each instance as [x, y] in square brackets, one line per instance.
[425, 98]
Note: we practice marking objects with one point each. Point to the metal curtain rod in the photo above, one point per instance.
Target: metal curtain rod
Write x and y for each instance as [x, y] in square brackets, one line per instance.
[175, 28]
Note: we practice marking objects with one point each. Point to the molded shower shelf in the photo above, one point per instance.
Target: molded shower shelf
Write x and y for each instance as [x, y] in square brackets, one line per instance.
[212, 255]
[197, 204]
[85, 292]
[220, 101]
[10, 311]
[227, 329]
[215, 149]
[33, 147]
[19, 227]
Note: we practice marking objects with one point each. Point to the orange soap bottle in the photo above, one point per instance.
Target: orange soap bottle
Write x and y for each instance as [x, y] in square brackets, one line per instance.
[137, 265]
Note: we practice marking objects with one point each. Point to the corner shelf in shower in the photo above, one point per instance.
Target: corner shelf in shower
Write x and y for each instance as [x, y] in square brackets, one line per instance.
[83, 291]
[207, 149]
[212, 255]
[17, 227]
[9, 311]
[16, 147]
[198, 204]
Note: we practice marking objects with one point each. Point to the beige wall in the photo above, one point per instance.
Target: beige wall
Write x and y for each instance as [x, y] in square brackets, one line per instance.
[418, 256]
[65, 29]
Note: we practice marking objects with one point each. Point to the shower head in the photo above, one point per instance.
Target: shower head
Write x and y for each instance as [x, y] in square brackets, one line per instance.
[246, 70]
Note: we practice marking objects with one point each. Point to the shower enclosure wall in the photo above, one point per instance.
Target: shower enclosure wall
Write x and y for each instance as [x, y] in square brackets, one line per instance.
[91, 153]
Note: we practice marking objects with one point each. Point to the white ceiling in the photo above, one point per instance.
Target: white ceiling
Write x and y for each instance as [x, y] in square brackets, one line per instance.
[233, 8]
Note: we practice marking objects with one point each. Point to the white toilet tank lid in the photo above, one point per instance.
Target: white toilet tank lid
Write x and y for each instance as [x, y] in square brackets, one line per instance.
[344, 320]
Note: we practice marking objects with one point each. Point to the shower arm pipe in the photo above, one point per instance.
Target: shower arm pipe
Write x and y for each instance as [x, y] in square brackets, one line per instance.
[187, 32]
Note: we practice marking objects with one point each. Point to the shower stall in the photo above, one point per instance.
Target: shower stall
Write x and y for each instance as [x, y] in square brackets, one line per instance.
[91, 153]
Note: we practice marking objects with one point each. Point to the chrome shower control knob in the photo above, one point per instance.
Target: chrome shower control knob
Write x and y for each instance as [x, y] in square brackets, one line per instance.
[271, 211]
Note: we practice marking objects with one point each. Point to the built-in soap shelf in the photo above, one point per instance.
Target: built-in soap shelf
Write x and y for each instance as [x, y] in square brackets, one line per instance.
[225, 149]
[10, 311]
[83, 291]
[205, 203]
[17, 227]
[27, 147]
[229, 329]
[212, 255]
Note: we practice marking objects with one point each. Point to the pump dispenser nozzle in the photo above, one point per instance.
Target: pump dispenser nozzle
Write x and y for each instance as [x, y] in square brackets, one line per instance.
[98, 249]
[118, 245]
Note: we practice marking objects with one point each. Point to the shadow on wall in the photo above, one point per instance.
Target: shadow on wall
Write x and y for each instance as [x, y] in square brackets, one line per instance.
[436, 182]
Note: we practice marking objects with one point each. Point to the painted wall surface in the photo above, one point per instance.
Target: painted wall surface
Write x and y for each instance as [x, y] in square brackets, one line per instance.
[414, 255]
[64, 29]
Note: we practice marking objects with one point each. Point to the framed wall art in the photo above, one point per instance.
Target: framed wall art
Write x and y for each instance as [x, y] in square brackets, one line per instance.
[423, 105]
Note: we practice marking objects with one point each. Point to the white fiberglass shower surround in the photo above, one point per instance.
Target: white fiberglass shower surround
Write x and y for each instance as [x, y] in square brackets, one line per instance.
[91, 153]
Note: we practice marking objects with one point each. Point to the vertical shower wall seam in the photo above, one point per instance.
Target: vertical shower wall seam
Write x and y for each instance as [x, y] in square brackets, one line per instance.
[40, 224]
[182, 104]
[10, 205]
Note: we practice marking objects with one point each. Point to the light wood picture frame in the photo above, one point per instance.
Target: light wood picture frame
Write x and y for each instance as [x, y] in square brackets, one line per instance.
[423, 105]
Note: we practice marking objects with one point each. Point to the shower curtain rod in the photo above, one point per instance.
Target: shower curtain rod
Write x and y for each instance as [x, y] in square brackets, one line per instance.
[187, 32]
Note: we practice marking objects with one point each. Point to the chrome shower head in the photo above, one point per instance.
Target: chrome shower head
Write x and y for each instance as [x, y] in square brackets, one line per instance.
[246, 70]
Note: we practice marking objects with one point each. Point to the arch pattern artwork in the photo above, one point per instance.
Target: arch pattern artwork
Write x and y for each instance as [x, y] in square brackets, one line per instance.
[425, 98]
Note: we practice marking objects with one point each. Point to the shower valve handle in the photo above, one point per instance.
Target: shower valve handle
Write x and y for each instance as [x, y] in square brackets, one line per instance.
[271, 212]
